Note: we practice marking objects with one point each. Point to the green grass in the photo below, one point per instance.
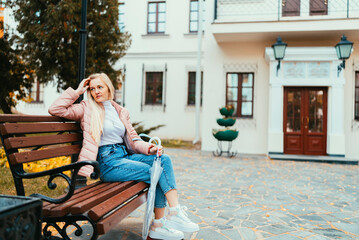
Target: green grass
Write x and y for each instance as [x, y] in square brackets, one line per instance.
[178, 143]
[38, 185]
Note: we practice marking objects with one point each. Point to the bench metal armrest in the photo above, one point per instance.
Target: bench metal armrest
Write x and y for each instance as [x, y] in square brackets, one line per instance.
[59, 172]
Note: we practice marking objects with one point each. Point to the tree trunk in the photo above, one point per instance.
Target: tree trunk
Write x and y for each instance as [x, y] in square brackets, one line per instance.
[4, 106]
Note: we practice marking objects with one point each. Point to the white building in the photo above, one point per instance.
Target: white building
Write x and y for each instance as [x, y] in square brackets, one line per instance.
[306, 108]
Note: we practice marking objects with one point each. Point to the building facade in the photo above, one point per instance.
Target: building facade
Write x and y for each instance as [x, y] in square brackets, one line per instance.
[307, 107]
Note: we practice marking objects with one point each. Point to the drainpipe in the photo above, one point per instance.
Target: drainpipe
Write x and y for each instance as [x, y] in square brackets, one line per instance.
[198, 71]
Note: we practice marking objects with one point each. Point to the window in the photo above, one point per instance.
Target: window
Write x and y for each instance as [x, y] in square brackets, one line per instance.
[193, 15]
[121, 13]
[240, 93]
[156, 17]
[154, 81]
[356, 103]
[37, 92]
[191, 99]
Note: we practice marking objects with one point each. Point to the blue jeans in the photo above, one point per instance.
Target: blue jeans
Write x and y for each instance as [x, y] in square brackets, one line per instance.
[116, 165]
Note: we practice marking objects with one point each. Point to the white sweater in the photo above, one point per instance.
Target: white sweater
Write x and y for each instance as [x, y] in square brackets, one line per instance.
[113, 128]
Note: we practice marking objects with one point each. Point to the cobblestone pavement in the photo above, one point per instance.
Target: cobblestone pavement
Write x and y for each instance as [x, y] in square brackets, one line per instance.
[252, 197]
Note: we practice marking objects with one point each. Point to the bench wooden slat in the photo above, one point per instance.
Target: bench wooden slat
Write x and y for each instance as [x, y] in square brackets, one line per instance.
[99, 197]
[31, 141]
[16, 128]
[106, 206]
[65, 208]
[47, 206]
[29, 118]
[24, 157]
[105, 225]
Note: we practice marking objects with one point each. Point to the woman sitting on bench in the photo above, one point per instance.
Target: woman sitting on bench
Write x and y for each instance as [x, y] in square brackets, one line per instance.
[109, 137]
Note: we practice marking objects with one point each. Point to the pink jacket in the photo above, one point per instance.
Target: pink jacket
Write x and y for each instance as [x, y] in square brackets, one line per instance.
[64, 107]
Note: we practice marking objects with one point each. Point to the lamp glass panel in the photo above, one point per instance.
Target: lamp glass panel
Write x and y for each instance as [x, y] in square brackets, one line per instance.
[279, 51]
[337, 49]
[345, 50]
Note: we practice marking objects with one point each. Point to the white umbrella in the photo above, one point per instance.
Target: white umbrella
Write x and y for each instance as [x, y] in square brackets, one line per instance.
[156, 171]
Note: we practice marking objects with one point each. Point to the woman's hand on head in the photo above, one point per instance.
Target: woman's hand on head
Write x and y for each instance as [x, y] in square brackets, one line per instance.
[84, 84]
[153, 150]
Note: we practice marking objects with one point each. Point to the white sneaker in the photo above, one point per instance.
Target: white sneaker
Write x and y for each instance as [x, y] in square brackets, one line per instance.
[165, 232]
[179, 220]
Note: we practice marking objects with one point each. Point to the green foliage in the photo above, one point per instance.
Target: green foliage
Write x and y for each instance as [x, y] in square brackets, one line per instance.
[49, 38]
[141, 129]
[15, 76]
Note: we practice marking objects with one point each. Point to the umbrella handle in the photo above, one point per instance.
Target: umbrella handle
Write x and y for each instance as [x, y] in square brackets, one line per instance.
[157, 141]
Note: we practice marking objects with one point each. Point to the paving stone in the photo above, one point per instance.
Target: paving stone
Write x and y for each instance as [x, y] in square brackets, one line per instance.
[283, 237]
[277, 229]
[351, 228]
[302, 234]
[317, 237]
[210, 234]
[315, 218]
[330, 233]
[247, 233]
[232, 234]
[250, 197]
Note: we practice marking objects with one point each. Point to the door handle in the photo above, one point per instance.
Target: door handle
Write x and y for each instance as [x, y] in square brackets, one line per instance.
[283, 3]
[326, 2]
[306, 122]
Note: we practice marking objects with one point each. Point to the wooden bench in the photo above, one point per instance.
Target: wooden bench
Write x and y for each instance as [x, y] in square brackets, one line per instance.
[103, 205]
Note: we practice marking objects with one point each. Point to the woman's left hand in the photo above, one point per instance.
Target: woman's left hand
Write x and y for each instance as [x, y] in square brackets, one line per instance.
[153, 150]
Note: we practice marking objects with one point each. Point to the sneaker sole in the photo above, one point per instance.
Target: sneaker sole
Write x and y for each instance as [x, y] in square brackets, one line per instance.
[180, 227]
[155, 235]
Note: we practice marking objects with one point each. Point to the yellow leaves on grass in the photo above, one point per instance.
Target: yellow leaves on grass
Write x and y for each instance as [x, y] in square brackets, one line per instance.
[38, 166]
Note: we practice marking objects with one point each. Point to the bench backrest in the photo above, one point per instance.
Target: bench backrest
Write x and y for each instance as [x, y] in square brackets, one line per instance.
[28, 138]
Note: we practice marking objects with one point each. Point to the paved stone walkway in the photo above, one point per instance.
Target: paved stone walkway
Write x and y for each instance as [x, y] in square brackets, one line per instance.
[252, 197]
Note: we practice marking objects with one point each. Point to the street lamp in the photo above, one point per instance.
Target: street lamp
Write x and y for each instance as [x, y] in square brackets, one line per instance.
[83, 35]
[344, 48]
[279, 51]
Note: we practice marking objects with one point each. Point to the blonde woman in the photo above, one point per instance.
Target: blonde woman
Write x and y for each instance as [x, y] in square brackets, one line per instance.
[109, 137]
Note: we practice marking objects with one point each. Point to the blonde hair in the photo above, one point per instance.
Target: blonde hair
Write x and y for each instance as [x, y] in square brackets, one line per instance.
[98, 112]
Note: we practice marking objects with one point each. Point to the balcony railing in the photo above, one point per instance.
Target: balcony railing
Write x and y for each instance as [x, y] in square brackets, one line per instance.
[284, 10]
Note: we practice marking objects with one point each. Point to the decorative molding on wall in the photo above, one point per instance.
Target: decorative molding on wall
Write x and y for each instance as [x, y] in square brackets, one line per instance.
[240, 67]
[192, 68]
[246, 123]
[305, 70]
[161, 55]
[154, 68]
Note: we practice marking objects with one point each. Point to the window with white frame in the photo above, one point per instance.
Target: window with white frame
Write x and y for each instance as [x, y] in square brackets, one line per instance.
[121, 13]
[194, 16]
[156, 19]
[154, 87]
[191, 96]
[240, 93]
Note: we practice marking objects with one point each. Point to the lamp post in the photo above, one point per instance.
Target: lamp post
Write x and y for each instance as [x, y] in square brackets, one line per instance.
[344, 48]
[81, 180]
[83, 35]
[279, 51]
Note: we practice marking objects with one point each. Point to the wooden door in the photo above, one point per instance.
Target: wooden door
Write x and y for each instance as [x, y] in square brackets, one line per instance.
[318, 7]
[290, 8]
[305, 121]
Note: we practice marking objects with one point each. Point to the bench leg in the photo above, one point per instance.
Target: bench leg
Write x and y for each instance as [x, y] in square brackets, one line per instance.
[62, 223]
